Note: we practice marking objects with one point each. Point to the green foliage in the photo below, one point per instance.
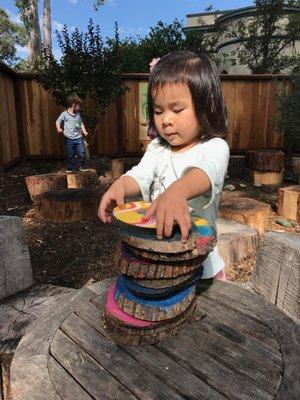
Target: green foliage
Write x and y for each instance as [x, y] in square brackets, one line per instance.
[264, 37]
[162, 39]
[287, 118]
[11, 34]
[88, 67]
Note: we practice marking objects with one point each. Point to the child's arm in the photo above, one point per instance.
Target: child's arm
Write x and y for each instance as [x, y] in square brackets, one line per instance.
[172, 205]
[121, 188]
[83, 129]
[206, 172]
[58, 127]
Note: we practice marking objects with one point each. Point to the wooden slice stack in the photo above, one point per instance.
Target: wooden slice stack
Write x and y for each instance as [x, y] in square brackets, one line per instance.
[154, 297]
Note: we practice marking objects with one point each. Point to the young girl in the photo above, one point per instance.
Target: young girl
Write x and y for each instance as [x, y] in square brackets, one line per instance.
[184, 167]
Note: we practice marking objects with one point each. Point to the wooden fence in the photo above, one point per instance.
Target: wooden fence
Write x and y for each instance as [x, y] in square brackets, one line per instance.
[28, 114]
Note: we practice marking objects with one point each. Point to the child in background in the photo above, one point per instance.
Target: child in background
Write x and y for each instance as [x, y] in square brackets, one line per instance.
[73, 128]
[184, 167]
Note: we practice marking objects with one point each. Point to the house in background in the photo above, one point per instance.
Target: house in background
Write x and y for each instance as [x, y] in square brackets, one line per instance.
[210, 22]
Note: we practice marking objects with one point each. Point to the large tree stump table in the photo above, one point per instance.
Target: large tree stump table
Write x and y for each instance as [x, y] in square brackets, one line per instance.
[237, 346]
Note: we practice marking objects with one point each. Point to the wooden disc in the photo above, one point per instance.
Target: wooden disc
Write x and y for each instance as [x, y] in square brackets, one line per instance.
[164, 282]
[141, 268]
[146, 239]
[195, 254]
[152, 310]
[145, 336]
[160, 293]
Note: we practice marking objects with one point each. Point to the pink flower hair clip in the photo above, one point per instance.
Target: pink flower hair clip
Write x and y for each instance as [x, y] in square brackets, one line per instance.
[153, 63]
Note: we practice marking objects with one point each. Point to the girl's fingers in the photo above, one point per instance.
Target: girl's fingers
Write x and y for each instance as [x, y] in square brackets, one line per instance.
[184, 224]
[120, 198]
[168, 223]
[160, 219]
[151, 211]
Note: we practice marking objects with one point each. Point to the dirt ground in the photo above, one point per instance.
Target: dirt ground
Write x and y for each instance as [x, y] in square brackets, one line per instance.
[78, 253]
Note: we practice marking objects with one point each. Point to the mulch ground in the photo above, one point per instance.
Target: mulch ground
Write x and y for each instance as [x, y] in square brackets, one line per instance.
[78, 253]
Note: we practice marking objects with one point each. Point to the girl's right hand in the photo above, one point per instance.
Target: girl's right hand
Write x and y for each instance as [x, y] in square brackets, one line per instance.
[114, 196]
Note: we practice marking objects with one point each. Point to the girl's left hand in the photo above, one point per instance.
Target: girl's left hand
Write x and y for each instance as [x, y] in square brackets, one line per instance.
[171, 206]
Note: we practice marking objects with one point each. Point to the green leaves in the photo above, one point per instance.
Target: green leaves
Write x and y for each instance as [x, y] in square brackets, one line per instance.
[11, 34]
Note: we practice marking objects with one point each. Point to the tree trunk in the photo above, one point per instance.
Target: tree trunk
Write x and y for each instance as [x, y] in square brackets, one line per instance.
[47, 24]
[31, 18]
[82, 179]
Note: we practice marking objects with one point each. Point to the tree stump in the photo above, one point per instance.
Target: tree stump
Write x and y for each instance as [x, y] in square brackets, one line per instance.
[266, 166]
[40, 184]
[236, 242]
[277, 274]
[82, 179]
[120, 166]
[15, 267]
[247, 211]
[289, 202]
[69, 205]
[265, 160]
[267, 178]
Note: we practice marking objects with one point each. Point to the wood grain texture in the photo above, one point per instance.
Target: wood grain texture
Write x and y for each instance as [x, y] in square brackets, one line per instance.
[247, 211]
[38, 185]
[236, 242]
[141, 268]
[265, 160]
[82, 179]
[289, 202]
[276, 273]
[236, 347]
[69, 205]
[15, 266]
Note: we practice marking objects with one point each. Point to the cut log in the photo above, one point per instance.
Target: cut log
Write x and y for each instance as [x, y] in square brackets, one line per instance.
[289, 202]
[15, 267]
[82, 179]
[69, 205]
[236, 242]
[265, 160]
[267, 178]
[247, 211]
[120, 166]
[40, 184]
[277, 274]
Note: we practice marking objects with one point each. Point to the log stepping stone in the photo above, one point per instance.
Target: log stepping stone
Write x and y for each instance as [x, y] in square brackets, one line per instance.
[37, 185]
[266, 166]
[69, 205]
[138, 267]
[152, 309]
[246, 211]
[82, 179]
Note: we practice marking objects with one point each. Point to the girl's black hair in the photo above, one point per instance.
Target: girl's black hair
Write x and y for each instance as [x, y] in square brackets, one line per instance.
[201, 76]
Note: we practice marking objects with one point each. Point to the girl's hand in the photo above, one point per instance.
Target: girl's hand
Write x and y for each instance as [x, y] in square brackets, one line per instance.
[112, 197]
[170, 207]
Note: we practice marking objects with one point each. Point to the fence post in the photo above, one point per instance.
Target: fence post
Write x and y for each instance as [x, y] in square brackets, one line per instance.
[120, 143]
[19, 115]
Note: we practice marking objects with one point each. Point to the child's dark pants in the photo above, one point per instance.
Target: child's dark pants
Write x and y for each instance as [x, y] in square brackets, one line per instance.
[73, 147]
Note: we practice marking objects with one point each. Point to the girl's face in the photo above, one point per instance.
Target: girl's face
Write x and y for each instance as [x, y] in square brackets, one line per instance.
[174, 116]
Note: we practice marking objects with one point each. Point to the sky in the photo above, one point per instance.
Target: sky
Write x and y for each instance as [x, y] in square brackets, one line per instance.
[133, 16]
